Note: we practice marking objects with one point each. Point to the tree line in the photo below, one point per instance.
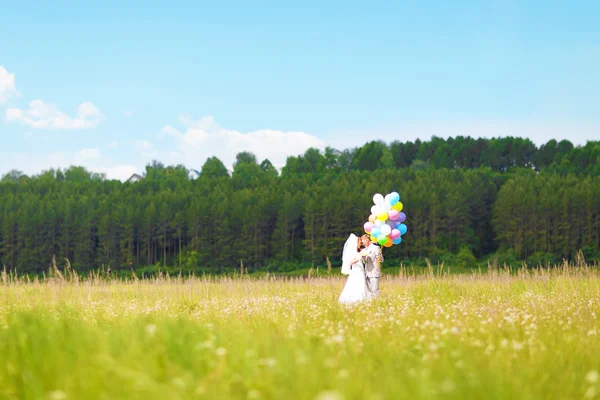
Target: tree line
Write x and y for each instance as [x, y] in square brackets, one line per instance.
[500, 199]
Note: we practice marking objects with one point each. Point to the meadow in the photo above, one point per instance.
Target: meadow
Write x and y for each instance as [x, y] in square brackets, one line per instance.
[526, 334]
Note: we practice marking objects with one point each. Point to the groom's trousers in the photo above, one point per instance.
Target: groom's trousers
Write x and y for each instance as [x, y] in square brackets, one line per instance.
[373, 286]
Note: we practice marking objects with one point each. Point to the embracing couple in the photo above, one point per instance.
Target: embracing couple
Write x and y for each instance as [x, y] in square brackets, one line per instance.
[361, 261]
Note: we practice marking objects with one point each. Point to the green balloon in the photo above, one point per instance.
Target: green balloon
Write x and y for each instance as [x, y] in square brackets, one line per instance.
[382, 240]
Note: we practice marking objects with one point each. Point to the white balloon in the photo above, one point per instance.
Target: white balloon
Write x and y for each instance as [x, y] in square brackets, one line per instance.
[386, 230]
[378, 199]
[378, 223]
[387, 207]
[375, 210]
[388, 198]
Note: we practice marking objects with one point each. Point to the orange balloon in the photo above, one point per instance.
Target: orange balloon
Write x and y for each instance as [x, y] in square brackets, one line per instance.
[389, 243]
[372, 218]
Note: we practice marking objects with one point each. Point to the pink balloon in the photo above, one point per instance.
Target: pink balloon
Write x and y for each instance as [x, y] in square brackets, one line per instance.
[395, 234]
[394, 215]
[369, 227]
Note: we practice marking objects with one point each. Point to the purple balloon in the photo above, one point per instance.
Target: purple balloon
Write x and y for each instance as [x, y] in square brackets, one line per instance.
[402, 217]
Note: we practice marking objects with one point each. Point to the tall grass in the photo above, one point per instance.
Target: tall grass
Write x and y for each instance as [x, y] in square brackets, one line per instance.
[498, 334]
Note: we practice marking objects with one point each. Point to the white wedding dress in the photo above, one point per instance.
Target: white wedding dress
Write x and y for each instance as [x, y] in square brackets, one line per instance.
[356, 285]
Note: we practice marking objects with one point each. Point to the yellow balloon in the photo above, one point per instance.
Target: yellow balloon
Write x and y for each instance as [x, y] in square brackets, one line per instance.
[373, 238]
[383, 217]
[398, 206]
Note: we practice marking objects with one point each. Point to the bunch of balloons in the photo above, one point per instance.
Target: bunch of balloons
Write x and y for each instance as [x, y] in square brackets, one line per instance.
[386, 223]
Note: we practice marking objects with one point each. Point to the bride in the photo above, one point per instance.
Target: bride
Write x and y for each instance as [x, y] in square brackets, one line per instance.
[356, 285]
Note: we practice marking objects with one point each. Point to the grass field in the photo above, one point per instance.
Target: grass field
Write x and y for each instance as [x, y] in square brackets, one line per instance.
[493, 335]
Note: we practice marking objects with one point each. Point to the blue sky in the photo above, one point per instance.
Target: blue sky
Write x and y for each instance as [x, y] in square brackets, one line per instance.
[112, 86]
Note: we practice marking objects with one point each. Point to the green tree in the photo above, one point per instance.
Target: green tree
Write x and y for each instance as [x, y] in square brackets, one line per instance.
[465, 258]
[214, 168]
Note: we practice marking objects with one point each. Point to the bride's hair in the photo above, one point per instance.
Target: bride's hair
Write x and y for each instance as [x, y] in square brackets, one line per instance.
[358, 245]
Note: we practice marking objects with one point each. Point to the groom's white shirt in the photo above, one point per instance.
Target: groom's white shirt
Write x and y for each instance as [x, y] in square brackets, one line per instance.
[372, 268]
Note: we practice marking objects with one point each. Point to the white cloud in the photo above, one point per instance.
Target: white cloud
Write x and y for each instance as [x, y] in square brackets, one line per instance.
[41, 115]
[55, 160]
[88, 109]
[13, 114]
[7, 85]
[146, 149]
[205, 138]
[120, 172]
[88, 154]
[143, 145]
[90, 158]
[128, 113]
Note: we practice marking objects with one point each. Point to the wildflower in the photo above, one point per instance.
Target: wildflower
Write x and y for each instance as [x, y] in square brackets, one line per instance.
[590, 393]
[268, 362]
[151, 330]
[179, 383]
[57, 395]
[200, 390]
[447, 386]
[517, 346]
[221, 352]
[592, 377]
[253, 394]
[343, 374]
[329, 395]
[330, 363]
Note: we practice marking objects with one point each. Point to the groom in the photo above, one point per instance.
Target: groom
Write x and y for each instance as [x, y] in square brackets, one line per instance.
[372, 258]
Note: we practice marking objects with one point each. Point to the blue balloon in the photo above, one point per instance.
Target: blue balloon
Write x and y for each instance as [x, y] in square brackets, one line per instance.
[397, 241]
[402, 228]
[394, 198]
[375, 232]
